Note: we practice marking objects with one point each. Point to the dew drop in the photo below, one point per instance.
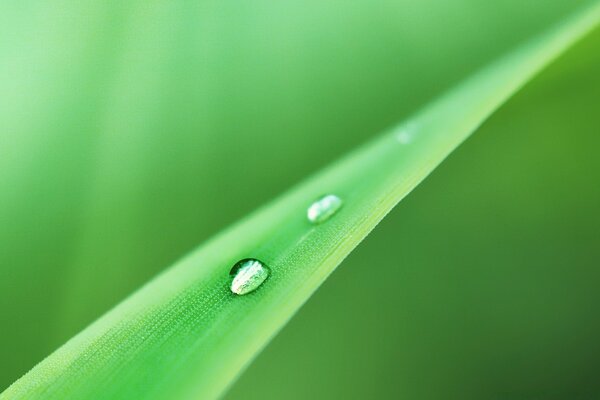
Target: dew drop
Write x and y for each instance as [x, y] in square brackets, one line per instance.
[248, 275]
[406, 133]
[404, 137]
[322, 209]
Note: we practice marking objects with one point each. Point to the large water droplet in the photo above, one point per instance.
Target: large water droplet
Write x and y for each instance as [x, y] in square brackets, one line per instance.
[248, 275]
[322, 209]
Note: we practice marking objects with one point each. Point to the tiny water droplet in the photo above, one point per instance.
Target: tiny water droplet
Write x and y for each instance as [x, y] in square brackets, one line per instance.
[248, 275]
[406, 133]
[322, 209]
[404, 137]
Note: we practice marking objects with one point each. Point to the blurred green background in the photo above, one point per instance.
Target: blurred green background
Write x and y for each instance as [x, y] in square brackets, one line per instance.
[132, 131]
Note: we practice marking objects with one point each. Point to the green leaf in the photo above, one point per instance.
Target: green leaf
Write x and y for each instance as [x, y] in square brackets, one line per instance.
[186, 335]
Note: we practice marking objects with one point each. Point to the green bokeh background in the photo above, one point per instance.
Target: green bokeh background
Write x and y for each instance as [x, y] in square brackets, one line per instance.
[132, 131]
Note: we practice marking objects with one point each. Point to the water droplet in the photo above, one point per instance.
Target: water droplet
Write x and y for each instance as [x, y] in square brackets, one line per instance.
[248, 275]
[404, 137]
[322, 209]
[406, 133]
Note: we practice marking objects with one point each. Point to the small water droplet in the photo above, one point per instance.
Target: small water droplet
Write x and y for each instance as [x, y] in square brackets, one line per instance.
[406, 133]
[248, 275]
[322, 209]
[404, 137]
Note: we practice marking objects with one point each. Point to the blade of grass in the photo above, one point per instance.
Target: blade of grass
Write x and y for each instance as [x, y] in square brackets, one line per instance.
[185, 335]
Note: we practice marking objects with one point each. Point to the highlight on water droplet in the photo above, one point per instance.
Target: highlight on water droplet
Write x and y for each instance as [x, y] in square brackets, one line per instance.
[248, 274]
[323, 208]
